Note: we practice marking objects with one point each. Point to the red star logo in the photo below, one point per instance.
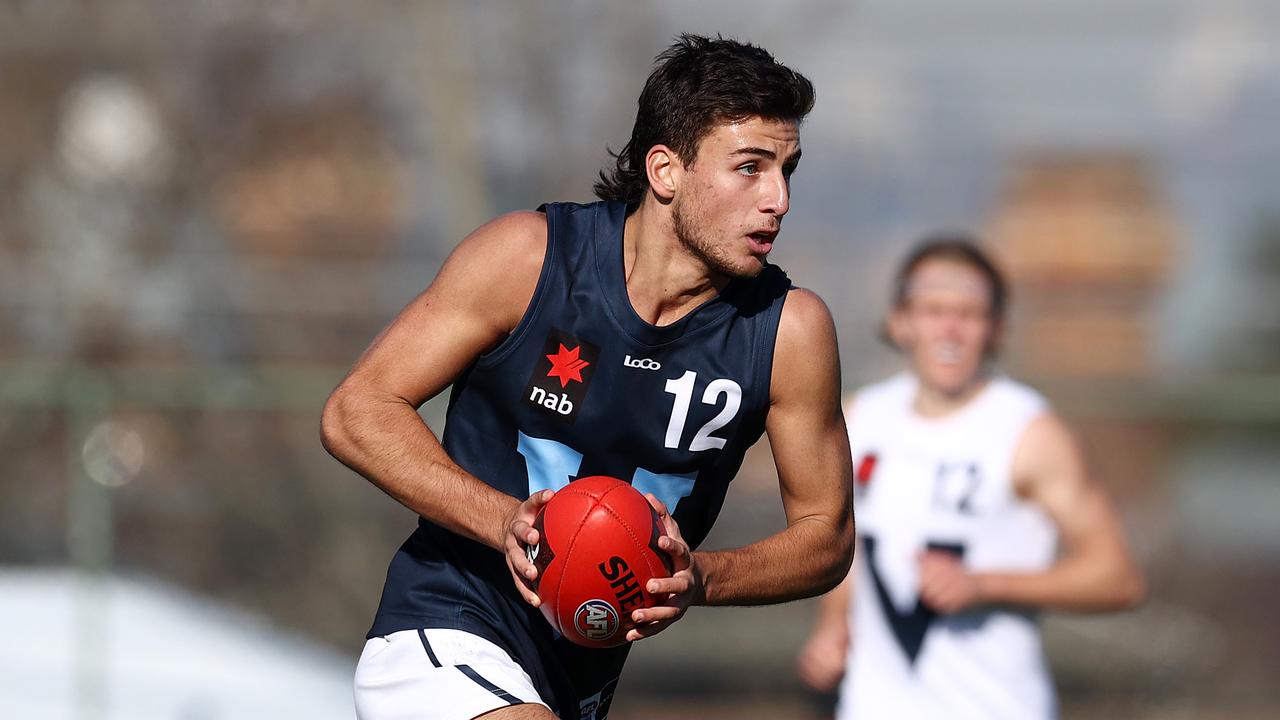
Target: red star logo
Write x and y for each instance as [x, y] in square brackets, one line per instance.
[566, 365]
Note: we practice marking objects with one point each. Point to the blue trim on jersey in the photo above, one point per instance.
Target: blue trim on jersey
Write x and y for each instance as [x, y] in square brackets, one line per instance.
[670, 488]
[551, 465]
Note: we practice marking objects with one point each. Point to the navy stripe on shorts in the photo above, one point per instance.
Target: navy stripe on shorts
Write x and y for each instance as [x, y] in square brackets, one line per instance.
[469, 672]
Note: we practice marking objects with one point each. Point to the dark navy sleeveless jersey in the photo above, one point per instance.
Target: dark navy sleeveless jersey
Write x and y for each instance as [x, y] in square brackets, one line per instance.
[584, 386]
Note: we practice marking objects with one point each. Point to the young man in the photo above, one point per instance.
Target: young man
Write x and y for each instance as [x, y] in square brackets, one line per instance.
[965, 481]
[643, 337]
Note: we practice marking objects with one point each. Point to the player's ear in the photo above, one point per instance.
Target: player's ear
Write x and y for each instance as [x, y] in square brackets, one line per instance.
[995, 339]
[664, 168]
[896, 330]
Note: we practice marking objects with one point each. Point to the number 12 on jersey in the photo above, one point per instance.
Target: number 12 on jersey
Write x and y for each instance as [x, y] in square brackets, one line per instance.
[682, 388]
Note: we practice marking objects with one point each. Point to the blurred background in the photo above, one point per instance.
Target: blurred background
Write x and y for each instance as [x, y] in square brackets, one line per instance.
[208, 209]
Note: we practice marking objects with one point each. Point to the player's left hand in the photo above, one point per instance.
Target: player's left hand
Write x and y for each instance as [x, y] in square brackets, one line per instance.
[683, 588]
[945, 585]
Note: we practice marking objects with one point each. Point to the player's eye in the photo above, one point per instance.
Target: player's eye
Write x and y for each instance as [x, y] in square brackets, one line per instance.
[932, 310]
[750, 168]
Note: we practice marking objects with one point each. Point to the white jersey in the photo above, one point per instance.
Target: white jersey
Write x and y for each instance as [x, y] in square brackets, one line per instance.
[943, 483]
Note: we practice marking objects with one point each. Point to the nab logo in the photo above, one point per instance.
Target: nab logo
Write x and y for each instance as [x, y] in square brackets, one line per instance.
[596, 620]
[561, 375]
[642, 363]
[566, 365]
[552, 401]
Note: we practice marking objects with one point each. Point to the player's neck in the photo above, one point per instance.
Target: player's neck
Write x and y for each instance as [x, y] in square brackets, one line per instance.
[936, 402]
[664, 281]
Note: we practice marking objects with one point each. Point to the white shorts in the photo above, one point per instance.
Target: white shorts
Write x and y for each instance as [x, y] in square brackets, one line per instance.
[430, 674]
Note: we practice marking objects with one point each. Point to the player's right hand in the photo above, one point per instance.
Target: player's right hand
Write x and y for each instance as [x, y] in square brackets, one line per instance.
[821, 660]
[519, 534]
[682, 589]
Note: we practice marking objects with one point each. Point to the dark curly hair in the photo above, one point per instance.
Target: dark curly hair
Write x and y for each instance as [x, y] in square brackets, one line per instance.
[698, 83]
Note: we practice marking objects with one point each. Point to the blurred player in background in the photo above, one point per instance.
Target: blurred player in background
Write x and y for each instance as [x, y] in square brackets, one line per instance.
[966, 483]
[644, 337]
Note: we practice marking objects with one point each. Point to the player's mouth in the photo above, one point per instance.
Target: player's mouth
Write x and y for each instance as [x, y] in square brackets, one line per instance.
[947, 354]
[761, 241]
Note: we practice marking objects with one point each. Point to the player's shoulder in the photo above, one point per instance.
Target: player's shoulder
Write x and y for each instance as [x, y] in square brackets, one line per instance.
[1047, 442]
[805, 357]
[1018, 398]
[495, 269]
[805, 315]
[506, 252]
[1044, 437]
[510, 237]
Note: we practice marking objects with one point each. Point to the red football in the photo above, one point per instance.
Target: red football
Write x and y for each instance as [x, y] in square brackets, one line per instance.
[597, 549]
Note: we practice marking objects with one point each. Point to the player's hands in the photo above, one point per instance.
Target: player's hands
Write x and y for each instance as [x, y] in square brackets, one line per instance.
[821, 660]
[945, 585]
[518, 535]
[682, 589]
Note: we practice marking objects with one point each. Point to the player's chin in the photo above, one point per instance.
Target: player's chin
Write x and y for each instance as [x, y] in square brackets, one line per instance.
[747, 267]
[953, 379]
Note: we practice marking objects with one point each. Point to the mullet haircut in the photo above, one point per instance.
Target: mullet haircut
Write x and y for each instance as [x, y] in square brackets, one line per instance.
[699, 83]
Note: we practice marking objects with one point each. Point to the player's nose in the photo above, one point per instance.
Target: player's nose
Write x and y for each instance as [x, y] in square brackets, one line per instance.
[776, 195]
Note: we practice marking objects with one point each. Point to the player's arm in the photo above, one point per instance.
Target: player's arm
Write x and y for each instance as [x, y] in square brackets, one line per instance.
[370, 422]
[811, 451]
[1095, 571]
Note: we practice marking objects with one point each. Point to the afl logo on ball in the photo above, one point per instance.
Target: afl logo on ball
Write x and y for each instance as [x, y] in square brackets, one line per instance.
[596, 620]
